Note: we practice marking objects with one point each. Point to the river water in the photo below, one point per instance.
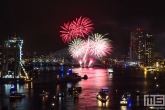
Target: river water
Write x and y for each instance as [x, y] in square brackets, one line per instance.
[119, 82]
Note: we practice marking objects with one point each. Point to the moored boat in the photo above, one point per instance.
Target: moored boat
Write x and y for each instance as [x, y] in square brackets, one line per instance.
[16, 95]
[103, 95]
[44, 93]
[110, 70]
[73, 89]
[70, 77]
[60, 94]
[126, 99]
[76, 94]
[85, 77]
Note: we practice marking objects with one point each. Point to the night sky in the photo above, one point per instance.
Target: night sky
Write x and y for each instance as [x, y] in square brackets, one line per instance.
[38, 22]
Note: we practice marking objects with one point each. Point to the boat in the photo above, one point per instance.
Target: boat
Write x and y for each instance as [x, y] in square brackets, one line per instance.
[70, 77]
[157, 89]
[16, 95]
[73, 89]
[137, 93]
[103, 95]
[60, 94]
[85, 77]
[110, 70]
[44, 93]
[126, 99]
[76, 95]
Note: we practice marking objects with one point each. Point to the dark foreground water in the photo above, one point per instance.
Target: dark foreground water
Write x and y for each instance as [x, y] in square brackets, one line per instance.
[119, 82]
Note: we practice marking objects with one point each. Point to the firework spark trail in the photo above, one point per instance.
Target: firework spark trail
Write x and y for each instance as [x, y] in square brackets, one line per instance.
[86, 50]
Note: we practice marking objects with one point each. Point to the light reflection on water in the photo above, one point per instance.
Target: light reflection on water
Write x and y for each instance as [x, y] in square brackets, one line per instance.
[97, 78]
[100, 104]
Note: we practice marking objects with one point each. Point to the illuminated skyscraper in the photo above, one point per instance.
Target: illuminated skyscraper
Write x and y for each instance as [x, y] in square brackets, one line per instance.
[142, 47]
[137, 45]
[149, 50]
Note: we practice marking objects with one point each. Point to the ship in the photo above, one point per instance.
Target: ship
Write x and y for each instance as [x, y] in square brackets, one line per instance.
[70, 77]
[103, 95]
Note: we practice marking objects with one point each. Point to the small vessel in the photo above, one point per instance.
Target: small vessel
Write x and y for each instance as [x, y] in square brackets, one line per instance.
[70, 77]
[44, 93]
[125, 99]
[137, 93]
[73, 89]
[76, 95]
[16, 95]
[157, 89]
[85, 77]
[103, 95]
[79, 89]
[60, 94]
[110, 70]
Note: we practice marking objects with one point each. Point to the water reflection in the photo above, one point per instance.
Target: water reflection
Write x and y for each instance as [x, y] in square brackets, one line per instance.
[145, 74]
[117, 83]
[123, 108]
[110, 75]
[97, 77]
[57, 88]
[137, 100]
[100, 104]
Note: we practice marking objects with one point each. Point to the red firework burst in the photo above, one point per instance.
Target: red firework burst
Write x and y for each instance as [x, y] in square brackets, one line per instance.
[78, 28]
[67, 33]
[82, 26]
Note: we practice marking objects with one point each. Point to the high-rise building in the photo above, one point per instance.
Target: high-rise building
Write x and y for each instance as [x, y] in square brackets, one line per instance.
[137, 45]
[149, 50]
[142, 47]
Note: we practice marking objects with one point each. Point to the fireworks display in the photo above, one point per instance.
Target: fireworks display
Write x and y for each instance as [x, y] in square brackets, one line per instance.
[67, 33]
[76, 29]
[76, 48]
[100, 46]
[96, 46]
[83, 26]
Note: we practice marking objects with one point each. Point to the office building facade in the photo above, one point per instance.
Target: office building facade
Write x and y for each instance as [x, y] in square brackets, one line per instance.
[149, 50]
[137, 45]
[142, 47]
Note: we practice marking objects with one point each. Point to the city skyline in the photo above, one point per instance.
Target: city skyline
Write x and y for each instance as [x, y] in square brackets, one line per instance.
[37, 22]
